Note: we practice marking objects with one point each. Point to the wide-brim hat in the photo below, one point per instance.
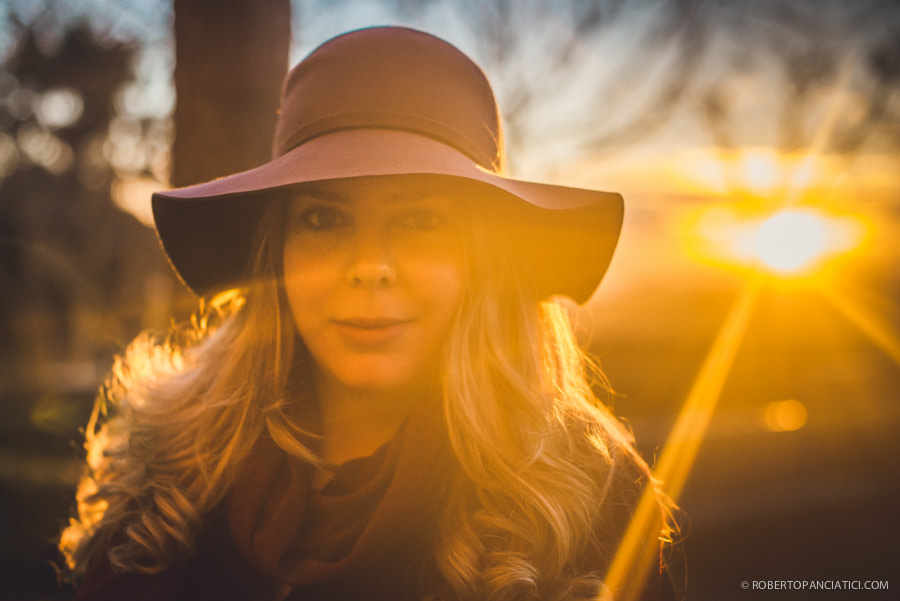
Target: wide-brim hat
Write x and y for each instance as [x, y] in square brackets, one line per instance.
[392, 101]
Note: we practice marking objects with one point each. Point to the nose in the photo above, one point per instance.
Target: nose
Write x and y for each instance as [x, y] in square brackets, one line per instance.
[372, 265]
[371, 275]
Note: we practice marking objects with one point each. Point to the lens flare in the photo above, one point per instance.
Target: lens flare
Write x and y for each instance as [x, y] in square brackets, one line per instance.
[785, 416]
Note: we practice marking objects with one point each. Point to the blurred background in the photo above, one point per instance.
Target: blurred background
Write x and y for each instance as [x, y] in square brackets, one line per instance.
[750, 323]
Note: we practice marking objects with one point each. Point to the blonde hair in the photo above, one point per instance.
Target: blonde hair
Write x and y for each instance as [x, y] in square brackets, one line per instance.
[546, 457]
[541, 457]
[176, 417]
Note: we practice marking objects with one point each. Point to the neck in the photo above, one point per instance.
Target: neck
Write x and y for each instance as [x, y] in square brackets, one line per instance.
[356, 422]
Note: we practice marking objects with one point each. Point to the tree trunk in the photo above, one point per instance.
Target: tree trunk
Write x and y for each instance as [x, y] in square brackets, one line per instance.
[231, 58]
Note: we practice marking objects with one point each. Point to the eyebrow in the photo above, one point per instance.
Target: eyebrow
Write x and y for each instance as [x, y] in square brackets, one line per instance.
[319, 194]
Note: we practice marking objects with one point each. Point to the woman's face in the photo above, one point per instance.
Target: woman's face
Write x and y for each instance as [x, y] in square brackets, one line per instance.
[374, 274]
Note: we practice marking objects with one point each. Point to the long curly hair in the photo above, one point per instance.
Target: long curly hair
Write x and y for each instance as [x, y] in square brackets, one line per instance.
[548, 475]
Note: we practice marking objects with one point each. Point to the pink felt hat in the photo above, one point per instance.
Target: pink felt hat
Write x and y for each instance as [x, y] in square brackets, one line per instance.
[392, 101]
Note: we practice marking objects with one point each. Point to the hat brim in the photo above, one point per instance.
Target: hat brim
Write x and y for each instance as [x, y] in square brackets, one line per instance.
[565, 236]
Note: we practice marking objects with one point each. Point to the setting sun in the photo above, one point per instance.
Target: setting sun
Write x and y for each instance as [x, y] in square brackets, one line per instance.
[791, 240]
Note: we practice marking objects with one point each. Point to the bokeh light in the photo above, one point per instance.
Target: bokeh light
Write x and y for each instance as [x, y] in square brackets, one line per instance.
[132, 194]
[58, 108]
[785, 416]
[759, 170]
[45, 149]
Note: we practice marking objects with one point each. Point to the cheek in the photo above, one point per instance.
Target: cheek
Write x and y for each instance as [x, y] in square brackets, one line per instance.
[433, 269]
[442, 285]
[306, 282]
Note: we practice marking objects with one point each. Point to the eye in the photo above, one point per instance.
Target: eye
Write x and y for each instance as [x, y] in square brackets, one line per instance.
[422, 220]
[321, 219]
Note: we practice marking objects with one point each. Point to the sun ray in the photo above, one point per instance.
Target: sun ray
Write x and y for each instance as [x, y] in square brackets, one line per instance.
[878, 330]
[829, 124]
[634, 556]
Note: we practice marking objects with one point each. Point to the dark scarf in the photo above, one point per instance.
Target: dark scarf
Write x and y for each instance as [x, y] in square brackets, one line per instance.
[368, 534]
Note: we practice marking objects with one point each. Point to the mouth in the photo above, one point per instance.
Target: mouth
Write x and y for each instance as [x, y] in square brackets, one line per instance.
[369, 333]
[371, 323]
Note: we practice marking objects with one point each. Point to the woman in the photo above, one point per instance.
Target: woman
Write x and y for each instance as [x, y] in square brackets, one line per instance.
[382, 400]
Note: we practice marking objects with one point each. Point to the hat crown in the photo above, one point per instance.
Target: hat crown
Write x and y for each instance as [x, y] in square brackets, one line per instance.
[392, 78]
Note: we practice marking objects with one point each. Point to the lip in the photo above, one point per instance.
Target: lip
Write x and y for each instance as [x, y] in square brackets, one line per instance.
[371, 331]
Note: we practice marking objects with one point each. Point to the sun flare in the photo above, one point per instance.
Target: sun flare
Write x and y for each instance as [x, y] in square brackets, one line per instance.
[789, 243]
[791, 240]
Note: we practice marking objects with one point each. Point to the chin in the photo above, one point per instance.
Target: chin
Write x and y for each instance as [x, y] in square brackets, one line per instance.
[365, 377]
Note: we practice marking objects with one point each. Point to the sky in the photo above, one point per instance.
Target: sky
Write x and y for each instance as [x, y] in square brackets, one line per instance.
[613, 75]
